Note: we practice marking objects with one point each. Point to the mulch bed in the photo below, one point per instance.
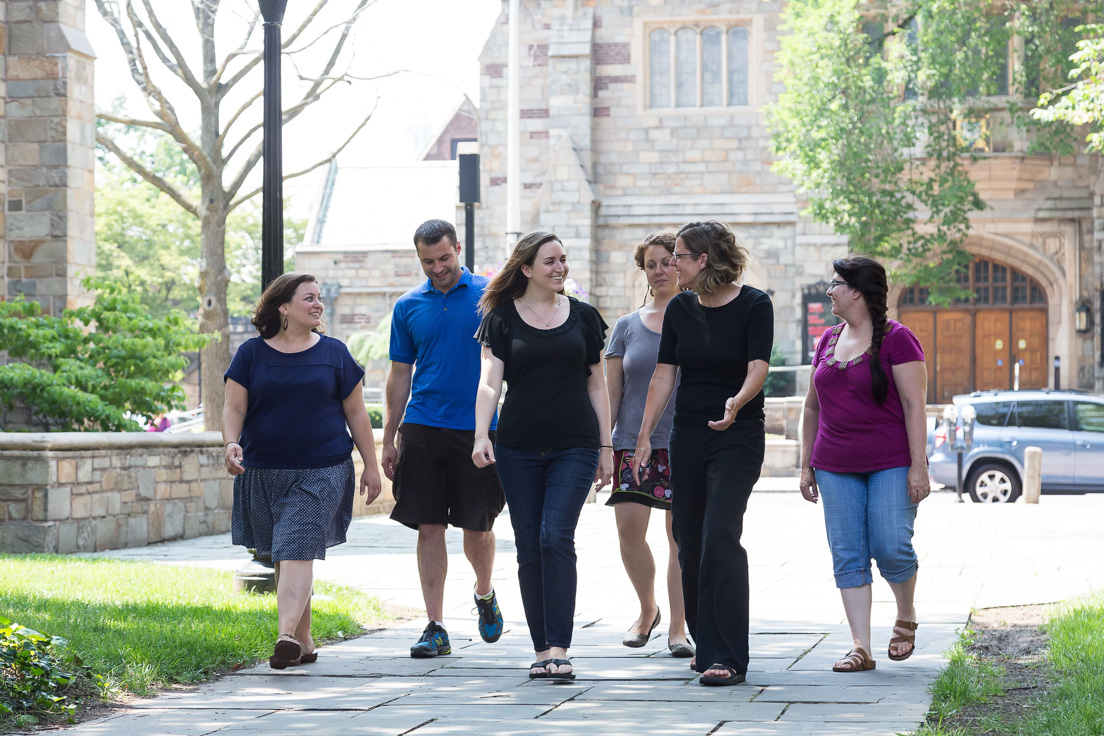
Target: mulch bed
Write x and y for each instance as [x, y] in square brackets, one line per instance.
[1011, 638]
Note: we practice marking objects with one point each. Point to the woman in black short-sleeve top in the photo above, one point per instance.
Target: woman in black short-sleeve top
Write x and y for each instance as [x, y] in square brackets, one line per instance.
[553, 437]
[718, 336]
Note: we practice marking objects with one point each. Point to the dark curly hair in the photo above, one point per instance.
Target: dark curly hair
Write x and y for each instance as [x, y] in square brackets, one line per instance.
[666, 240]
[266, 317]
[868, 277]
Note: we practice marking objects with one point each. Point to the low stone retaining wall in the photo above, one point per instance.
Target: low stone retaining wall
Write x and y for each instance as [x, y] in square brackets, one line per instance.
[89, 491]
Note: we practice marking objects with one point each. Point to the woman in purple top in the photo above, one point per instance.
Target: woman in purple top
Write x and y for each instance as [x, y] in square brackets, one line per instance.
[863, 452]
[630, 362]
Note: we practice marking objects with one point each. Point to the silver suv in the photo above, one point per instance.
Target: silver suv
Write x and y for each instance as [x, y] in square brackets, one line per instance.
[1067, 425]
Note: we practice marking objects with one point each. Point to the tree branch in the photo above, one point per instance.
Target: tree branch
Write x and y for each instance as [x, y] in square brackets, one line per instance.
[337, 151]
[234, 118]
[137, 167]
[348, 21]
[259, 56]
[178, 65]
[127, 120]
[251, 26]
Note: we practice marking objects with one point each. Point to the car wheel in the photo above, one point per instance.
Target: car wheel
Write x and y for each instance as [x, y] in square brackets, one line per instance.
[993, 483]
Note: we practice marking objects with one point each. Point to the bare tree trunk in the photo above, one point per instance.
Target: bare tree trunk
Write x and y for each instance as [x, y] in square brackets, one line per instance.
[213, 316]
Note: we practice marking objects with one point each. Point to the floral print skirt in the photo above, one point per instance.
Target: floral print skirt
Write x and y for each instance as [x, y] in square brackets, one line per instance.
[655, 480]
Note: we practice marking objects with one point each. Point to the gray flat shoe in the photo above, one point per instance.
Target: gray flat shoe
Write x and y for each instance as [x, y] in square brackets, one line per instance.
[638, 640]
[680, 650]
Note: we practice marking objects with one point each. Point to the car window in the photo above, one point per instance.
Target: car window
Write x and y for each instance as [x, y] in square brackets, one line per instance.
[993, 413]
[1041, 414]
[1090, 417]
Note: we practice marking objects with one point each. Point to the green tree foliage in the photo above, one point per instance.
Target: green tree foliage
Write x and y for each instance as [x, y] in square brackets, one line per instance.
[1082, 101]
[373, 344]
[882, 105]
[152, 247]
[90, 367]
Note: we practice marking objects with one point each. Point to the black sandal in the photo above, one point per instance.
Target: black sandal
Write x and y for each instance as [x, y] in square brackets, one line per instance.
[734, 677]
[539, 675]
[561, 676]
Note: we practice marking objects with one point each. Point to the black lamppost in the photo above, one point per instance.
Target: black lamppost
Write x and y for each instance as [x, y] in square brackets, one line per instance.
[259, 574]
[272, 213]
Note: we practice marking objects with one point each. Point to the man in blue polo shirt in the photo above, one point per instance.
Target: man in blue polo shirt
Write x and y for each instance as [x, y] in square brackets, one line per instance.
[435, 364]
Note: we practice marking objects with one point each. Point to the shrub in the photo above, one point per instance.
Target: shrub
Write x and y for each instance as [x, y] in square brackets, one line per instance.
[375, 413]
[778, 384]
[36, 676]
[88, 368]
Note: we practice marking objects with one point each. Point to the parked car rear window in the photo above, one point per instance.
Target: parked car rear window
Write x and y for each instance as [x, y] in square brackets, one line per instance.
[1090, 417]
[1041, 414]
[993, 414]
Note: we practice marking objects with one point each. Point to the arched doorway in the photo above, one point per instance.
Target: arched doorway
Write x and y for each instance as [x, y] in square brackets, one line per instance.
[977, 343]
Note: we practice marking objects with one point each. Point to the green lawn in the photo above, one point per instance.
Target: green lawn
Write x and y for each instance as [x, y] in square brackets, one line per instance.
[145, 625]
[1072, 704]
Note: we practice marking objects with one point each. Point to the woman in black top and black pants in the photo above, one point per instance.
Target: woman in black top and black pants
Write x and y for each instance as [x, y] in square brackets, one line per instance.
[553, 437]
[720, 336]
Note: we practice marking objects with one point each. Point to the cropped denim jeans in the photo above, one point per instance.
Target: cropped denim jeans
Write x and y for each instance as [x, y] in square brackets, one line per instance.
[545, 491]
[868, 515]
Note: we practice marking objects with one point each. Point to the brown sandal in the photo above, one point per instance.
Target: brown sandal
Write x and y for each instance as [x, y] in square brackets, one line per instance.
[857, 660]
[897, 639]
[288, 651]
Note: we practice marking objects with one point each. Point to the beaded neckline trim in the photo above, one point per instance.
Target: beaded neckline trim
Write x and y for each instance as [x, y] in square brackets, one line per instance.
[830, 352]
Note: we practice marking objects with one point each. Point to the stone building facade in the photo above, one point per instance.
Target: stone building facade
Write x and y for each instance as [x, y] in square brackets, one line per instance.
[641, 115]
[47, 138]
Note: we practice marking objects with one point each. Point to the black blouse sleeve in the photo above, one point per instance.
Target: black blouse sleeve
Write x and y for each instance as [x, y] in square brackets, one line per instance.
[494, 333]
[761, 329]
[595, 329]
[668, 338]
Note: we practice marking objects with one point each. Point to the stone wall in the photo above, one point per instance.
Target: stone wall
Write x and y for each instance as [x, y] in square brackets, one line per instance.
[84, 491]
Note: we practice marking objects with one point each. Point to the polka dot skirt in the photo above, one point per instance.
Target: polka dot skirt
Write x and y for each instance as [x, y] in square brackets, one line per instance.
[295, 514]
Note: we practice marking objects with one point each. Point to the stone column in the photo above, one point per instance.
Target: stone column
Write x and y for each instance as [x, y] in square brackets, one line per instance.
[567, 202]
[49, 119]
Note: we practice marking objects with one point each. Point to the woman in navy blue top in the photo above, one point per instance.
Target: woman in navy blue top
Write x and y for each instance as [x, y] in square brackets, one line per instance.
[290, 393]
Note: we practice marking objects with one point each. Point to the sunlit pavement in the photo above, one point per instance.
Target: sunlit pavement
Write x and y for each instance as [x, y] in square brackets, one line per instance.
[970, 556]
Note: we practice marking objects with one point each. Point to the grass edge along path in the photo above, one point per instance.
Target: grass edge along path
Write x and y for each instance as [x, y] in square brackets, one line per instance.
[1057, 694]
[144, 626]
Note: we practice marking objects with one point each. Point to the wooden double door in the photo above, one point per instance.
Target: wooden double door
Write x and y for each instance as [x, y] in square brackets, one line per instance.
[978, 349]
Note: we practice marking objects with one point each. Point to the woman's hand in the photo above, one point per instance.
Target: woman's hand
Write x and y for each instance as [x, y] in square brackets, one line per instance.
[919, 486]
[732, 406]
[808, 485]
[641, 455]
[483, 452]
[233, 457]
[604, 474]
[370, 484]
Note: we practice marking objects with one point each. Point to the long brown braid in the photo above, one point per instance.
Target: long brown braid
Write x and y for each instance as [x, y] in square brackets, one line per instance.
[868, 277]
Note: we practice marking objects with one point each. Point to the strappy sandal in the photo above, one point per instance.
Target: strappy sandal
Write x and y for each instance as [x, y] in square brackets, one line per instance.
[898, 639]
[287, 651]
[858, 661]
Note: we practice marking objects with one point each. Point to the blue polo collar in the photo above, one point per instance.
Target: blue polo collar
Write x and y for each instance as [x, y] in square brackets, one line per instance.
[465, 280]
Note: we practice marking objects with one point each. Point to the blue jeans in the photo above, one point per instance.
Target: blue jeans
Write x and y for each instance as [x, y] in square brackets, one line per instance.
[545, 491]
[868, 515]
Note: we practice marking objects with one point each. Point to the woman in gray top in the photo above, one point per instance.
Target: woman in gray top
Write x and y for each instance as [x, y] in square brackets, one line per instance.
[630, 361]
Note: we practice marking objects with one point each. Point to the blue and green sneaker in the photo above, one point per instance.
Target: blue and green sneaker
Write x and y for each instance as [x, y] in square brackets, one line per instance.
[434, 641]
[490, 618]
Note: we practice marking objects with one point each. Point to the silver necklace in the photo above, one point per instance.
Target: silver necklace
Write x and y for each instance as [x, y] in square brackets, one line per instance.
[541, 319]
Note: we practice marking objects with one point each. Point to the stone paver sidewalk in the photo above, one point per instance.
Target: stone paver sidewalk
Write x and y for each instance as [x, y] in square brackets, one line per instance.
[971, 555]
